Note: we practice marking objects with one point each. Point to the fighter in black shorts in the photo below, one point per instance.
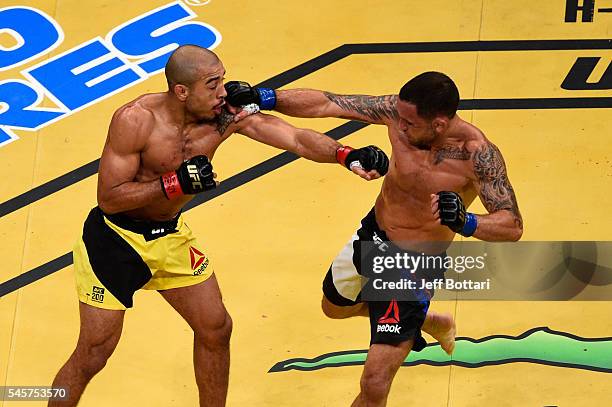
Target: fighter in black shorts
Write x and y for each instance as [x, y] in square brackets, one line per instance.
[348, 283]
[440, 163]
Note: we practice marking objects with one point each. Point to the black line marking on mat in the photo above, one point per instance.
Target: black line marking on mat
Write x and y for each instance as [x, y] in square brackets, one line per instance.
[345, 50]
[48, 188]
[35, 274]
[282, 366]
[323, 61]
[536, 103]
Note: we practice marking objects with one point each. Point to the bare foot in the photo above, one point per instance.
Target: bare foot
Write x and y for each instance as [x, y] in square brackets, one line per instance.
[442, 327]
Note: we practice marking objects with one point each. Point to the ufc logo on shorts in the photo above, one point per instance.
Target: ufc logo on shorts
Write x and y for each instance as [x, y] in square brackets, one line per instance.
[193, 174]
[392, 329]
[382, 246]
[97, 294]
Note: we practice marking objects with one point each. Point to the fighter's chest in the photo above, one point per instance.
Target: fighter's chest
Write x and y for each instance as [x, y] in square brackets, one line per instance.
[167, 149]
[426, 171]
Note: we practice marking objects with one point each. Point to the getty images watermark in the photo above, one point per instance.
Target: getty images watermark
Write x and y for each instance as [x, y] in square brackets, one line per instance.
[421, 266]
[476, 270]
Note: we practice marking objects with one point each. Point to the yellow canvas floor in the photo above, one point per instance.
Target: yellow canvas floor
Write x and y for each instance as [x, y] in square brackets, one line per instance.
[273, 237]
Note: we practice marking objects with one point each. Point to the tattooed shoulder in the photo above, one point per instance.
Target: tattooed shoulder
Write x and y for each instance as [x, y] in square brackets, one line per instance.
[375, 108]
[451, 153]
[496, 192]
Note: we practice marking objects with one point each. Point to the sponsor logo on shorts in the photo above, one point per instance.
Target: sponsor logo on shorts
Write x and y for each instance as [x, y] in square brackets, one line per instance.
[388, 318]
[97, 294]
[390, 321]
[382, 246]
[199, 262]
[393, 329]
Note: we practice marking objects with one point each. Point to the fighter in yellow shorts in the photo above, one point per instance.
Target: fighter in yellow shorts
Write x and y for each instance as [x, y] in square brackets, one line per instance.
[158, 255]
[156, 158]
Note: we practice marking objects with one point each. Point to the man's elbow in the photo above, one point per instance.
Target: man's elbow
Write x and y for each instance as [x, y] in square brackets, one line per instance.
[107, 204]
[106, 207]
[517, 233]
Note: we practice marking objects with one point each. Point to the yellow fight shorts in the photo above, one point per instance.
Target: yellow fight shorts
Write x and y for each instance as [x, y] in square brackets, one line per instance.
[117, 255]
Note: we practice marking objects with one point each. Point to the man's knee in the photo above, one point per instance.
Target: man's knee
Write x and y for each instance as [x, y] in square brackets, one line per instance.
[328, 309]
[91, 358]
[375, 385]
[217, 334]
[337, 312]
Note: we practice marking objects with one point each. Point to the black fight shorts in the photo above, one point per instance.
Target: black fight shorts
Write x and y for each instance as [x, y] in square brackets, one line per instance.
[391, 321]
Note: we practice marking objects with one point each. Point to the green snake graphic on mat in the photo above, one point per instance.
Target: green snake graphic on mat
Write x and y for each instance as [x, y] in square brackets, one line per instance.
[538, 345]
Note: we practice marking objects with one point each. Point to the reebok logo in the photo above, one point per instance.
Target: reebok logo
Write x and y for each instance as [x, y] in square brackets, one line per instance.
[394, 329]
[388, 318]
[199, 262]
[389, 322]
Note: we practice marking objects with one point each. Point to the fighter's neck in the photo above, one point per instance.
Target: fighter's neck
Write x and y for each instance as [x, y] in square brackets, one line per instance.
[455, 131]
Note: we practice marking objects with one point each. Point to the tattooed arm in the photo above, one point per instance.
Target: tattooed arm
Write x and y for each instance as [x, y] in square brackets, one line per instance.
[315, 103]
[504, 221]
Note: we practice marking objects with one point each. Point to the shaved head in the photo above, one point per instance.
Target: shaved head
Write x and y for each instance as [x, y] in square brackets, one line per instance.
[188, 63]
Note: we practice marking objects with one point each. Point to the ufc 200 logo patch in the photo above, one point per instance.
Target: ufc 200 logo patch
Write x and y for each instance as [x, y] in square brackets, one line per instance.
[97, 294]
